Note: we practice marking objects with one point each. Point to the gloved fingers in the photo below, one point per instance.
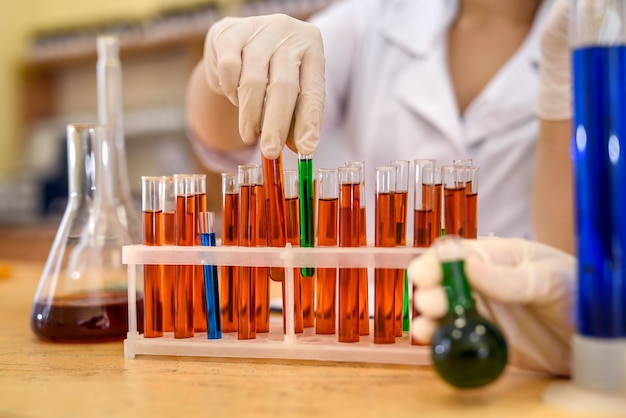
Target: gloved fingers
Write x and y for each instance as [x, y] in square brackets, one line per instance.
[251, 93]
[425, 270]
[310, 105]
[528, 283]
[500, 251]
[280, 101]
[423, 328]
[431, 301]
[222, 57]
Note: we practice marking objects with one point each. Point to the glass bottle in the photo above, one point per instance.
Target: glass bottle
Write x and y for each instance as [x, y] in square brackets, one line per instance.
[82, 292]
[468, 351]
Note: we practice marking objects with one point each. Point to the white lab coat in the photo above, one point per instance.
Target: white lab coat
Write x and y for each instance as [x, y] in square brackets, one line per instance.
[389, 96]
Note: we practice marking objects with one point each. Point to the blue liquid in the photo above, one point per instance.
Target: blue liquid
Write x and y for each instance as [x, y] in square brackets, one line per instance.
[599, 134]
[214, 325]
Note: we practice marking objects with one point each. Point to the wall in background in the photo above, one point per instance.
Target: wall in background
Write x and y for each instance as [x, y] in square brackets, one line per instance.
[20, 19]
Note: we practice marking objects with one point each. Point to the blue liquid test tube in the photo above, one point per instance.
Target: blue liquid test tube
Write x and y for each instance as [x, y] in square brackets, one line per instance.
[206, 227]
[598, 65]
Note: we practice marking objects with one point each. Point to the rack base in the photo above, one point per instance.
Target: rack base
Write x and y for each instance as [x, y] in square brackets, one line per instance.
[275, 345]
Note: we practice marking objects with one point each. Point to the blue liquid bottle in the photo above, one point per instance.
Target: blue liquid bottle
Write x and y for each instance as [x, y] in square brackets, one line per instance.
[599, 135]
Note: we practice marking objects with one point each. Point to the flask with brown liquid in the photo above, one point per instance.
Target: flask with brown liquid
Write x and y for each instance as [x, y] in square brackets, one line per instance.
[82, 293]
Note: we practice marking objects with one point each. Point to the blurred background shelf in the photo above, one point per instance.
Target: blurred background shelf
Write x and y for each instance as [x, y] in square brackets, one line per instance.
[56, 79]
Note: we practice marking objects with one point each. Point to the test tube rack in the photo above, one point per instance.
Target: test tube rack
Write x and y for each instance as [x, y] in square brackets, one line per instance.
[275, 344]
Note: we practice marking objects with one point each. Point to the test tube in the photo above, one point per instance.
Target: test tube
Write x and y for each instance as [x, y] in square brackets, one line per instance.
[292, 218]
[439, 226]
[453, 180]
[364, 321]
[307, 203]
[185, 236]
[424, 218]
[229, 275]
[169, 238]
[385, 312]
[262, 290]
[206, 227]
[462, 162]
[275, 198]
[199, 289]
[349, 278]
[152, 207]
[327, 236]
[401, 198]
[471, 202]
[248, 175]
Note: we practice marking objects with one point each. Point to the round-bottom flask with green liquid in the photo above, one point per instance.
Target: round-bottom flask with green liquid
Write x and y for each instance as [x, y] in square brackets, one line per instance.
[468, 351]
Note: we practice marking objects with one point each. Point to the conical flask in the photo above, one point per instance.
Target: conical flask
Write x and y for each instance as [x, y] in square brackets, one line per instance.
[111, 114]
[82, 293]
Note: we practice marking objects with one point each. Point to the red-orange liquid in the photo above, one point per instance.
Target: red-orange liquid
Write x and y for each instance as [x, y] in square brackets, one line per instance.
[438, 210]
[85, 317]
[423, 221]
[400, 205]
[364, 316]
[292, 218]
[247, 275]
[327, 235]
[153, 276]
[454, 202]
[385, 279]
[229, 275]
[275, 197]
[262, 286]
[199, 293]
[169, 272]
[185, 236]
[471, 215]
[349, 278]
[401, 208]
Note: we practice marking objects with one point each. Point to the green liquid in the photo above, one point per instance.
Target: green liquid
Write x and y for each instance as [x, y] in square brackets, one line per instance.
[468, 351]
[305, 189]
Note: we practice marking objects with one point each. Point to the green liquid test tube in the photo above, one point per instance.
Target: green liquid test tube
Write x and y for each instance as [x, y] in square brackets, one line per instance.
[406, 315]
[306, 193]
[468, 351]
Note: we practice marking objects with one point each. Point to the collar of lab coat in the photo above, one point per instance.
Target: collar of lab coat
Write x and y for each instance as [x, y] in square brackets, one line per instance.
[425, 86]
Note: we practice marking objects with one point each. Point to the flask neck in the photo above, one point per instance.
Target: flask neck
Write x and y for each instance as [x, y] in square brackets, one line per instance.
[457, 287]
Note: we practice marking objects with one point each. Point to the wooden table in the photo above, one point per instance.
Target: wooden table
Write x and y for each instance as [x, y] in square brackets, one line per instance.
[41, 379]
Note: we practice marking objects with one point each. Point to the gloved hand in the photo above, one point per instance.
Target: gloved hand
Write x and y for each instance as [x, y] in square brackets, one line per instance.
[554, 101]
[272, 67]
[524, 287]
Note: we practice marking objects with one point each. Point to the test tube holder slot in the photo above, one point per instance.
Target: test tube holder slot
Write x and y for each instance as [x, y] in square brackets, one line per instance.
[274, 344]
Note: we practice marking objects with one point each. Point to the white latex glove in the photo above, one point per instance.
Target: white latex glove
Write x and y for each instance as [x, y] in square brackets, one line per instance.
[272, 67]
[524, 287]
[554, 101]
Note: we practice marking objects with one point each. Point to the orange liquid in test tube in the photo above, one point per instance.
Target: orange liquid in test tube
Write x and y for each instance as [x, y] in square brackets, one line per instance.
[275, 198]
[385, 280]
[169, 273]
[325, 311]
[364, 313]
[349, 233]
[247, 238]
[327, 236]
[292, 216]
[262, 273]
[185, 236]
[400, 203]
[153, 276]
[229, 275]
[454, 202]
[199, 298]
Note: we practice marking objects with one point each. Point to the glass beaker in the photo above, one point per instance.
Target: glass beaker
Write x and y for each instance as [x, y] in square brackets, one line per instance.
[82, 293]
